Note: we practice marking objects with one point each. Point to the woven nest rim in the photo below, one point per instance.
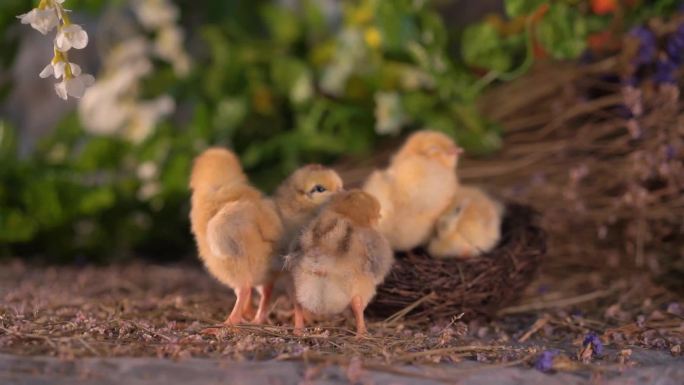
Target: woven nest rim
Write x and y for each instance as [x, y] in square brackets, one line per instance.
[425, 287]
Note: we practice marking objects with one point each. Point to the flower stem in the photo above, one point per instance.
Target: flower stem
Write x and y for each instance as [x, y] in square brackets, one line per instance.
[61, 13]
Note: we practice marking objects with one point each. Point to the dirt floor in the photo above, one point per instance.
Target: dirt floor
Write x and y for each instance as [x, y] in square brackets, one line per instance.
[139, 322]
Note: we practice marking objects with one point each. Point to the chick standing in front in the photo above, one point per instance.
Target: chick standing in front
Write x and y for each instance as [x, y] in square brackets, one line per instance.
[339, 259]
[297, 199]
[416, 188]
[236, 228]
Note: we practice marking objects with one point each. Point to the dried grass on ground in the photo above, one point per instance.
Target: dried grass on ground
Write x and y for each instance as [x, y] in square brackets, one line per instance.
[147, 310]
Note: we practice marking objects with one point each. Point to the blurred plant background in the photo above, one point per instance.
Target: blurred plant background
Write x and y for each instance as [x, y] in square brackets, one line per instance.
[281, 82]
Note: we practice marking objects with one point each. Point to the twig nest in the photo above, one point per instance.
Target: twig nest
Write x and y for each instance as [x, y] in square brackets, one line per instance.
[442, 288]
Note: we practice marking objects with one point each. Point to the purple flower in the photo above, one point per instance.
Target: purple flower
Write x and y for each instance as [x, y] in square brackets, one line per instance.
[675, 46]
[595, 341]
[630, 81]
[670, 153]
[544, 362]
[665, 72]
[647, 45]
[543, 289]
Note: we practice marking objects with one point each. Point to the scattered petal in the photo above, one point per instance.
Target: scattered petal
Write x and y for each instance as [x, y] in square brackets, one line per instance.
[544, 362]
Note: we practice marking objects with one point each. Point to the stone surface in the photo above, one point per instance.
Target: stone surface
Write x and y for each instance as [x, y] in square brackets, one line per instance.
[16, 370]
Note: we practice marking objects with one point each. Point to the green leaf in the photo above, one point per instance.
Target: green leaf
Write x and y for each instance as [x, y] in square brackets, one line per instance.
[230, 112]
[282, 23]
[175, 174]
[42, 200]
[483, 47]
[15, 226]
[515, 8]
[285, 72]
[8, 142]
[563, 32]
[96, 200]
[474, 132]
[396, 24]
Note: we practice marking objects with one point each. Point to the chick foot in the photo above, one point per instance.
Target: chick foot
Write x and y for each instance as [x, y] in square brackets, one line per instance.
[235, 317]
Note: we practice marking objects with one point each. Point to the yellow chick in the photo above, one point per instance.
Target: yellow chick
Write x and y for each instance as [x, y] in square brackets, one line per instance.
[301, 194]
[416, 188]
[339, 259]
[237, 230]
[469, 227]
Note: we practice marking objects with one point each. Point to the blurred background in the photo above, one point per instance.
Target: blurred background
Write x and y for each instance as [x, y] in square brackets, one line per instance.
[294, 81]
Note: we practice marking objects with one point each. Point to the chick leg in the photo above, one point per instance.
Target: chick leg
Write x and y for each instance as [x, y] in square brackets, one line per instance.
[357, 308]
[235, 316]
[248, 311]
[262, 312]
[298, 319]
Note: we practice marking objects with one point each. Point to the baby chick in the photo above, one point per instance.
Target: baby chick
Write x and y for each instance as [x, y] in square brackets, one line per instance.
[301, 194]
[236, 229]
[339, 259]
[470, 226]
[416, 188]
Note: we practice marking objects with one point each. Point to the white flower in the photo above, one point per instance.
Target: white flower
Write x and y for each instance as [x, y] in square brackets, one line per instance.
[74, 87]
[71, 36]
[148, 190]
[169, 46]
[146, 115]
[43, 20]
[57, 69]
[147, 170]
[302, 89]
[389, 115]
[100, 110]
[155, 13]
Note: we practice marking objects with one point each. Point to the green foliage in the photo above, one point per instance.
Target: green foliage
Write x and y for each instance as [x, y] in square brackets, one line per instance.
[282, 86]
[484, 47]
[563, 32]
[516, 8]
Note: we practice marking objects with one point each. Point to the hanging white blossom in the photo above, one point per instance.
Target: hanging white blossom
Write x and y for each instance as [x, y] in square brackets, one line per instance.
[74, 86]
[49, 15]
[71, 36]
[43, 20]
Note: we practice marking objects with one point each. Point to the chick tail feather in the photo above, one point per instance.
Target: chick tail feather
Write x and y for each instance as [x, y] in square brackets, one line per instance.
[227, 230]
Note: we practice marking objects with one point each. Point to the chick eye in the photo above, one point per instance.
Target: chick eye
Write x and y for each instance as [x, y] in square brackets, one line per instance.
[317, 189]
